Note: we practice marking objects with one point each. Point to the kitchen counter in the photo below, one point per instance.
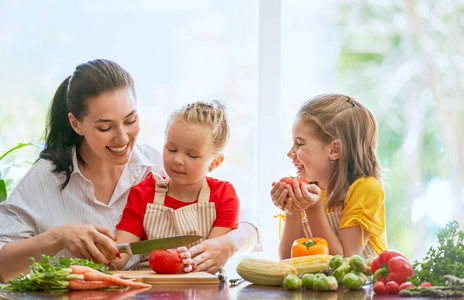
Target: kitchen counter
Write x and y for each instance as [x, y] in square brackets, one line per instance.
[223, 290]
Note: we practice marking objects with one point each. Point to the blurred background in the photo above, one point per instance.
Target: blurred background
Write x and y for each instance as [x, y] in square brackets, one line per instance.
[402, 58]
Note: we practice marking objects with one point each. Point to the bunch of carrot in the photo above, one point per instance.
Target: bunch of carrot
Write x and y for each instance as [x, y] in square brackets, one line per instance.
[45, 277]
[93, 279]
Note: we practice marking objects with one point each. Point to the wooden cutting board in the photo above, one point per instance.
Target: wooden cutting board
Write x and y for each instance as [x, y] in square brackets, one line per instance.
[153, 278]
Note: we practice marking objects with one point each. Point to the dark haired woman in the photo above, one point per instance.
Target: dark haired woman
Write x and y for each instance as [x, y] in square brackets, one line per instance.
[74, 195]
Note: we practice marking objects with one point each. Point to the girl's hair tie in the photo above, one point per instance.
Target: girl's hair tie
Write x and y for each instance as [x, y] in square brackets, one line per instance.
[351, 101]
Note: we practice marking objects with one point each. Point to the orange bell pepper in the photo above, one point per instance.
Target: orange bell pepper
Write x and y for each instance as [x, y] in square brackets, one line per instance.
[306, 246]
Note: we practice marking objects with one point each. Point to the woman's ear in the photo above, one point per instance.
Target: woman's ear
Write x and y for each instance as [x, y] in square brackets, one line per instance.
[216, 162]
[334, 150]
[74, 124]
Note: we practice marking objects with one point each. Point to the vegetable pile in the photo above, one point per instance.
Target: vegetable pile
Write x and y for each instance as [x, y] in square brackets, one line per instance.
[67, 274]
[317, 272]
[351, 271]
[446, 259]
[440, 274]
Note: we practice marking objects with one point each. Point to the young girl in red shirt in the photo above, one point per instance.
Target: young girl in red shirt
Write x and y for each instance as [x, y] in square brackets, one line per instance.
[187, 201]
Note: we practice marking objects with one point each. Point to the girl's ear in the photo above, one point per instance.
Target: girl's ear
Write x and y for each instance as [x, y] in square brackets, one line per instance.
[74, 124]
[334, 150]
[216, 162]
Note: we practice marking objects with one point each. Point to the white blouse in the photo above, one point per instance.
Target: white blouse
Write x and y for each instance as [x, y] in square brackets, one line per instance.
[37, 204]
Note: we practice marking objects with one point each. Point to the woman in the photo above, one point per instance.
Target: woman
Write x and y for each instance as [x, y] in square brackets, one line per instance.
[74, 195]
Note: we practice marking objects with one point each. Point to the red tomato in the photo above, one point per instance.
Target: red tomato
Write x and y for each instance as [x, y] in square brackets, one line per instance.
[392, 287]
[165, 261]
[406, 285]
[289, 180]
[426, 284]
[379, 287]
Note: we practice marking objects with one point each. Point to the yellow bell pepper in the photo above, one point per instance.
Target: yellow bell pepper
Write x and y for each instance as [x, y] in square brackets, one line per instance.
[306, 246]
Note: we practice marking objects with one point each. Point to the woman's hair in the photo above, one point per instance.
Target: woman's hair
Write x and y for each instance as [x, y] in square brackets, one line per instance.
[207, 114]
[340, 117]
[90, 79]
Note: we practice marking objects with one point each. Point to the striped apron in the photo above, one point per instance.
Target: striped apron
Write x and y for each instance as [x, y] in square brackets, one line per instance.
[161, 221]
[334, 221]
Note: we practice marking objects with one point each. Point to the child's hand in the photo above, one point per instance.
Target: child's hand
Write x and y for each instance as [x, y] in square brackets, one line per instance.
[186, 259]
[280, 197]
[306, 196]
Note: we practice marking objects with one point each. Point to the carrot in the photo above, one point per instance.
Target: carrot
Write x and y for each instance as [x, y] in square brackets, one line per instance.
[82, 269]
[89, 285]
[92, 276]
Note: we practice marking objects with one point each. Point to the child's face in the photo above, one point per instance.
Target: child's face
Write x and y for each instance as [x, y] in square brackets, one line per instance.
[188, 153]
[310, 155]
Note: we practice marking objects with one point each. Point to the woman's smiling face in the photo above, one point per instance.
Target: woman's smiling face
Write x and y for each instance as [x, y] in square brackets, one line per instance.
[310, 155]
[110, 128]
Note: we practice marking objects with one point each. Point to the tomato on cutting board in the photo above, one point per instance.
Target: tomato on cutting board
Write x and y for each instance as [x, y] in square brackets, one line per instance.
[165, 261]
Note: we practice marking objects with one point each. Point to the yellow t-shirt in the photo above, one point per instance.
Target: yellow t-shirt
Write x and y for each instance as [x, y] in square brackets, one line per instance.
[365, 206]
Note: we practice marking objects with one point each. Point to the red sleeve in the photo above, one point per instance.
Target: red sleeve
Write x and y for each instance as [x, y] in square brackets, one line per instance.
[226, 202]
[134, 212]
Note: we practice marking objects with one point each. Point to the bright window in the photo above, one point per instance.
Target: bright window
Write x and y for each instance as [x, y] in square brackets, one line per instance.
[264, 58]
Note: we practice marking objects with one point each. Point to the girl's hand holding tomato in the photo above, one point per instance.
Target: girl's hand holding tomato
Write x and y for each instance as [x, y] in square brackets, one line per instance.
[290, 180]
[279, 196]
[304, 196]
[170, 261]
[294, 194]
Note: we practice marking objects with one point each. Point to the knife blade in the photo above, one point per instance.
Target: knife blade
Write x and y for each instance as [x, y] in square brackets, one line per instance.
[164, 243]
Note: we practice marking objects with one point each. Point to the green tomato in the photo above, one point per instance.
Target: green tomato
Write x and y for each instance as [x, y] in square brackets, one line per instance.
[308, 280]
[341, 271]
[360, 275]
[333, 283]
[292, 282]
[358, 263]
[335, 262]
[352, 282]
[324, 284]
[321, 284]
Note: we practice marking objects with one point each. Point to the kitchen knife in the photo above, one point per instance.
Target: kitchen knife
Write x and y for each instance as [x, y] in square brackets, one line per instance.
[164, 243]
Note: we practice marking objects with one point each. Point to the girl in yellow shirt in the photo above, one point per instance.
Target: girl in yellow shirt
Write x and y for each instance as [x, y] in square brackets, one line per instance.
[334, 144]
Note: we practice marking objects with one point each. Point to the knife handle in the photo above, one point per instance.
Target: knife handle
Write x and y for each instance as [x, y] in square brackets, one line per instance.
[124, 248]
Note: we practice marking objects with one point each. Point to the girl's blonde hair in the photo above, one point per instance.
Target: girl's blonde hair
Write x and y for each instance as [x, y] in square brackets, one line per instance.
[340, 117]
[211, 114]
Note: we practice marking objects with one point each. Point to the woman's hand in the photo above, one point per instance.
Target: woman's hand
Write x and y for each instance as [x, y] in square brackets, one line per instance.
[280, 195]
[81, 240]
[306, 196]
[187, 261]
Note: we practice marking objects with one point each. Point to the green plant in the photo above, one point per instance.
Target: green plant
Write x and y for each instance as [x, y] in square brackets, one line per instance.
[4, 183]
[447, 258]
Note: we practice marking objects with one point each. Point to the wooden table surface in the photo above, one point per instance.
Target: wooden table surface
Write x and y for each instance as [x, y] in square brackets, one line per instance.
[223, 290]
